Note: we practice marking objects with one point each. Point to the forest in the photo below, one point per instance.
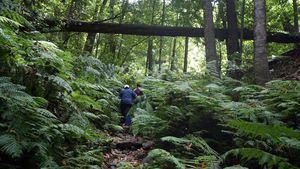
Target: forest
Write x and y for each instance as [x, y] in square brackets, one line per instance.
[220, 83]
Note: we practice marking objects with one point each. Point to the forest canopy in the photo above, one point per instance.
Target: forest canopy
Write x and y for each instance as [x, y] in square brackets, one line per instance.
[219, 81]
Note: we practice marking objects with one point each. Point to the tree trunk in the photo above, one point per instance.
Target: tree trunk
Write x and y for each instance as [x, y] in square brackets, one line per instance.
[161, 38]
[150, 58]
[148, 30]
[209, 39]
[69, 16]
[233, 39]
[89, 43]
[296, 18]
[90, 40]
[242, 28]
[112, 40]
[261, 67]
[122, 17]
[222, 15]
[186, 51]
[173, 56]
[97, 45]
[296, 22]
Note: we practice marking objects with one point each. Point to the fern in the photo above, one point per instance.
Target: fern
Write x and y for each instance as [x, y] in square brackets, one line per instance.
[262, 131]
[85, 102]
[290, 142]
[196, 143]
[235, 167]
[16, 19]
[72, 130]
[87, 158]
[7, 21]
[61, 83]
[175, 140]
[162, 159]
[263, 158]
[10, 145]
[146, 124]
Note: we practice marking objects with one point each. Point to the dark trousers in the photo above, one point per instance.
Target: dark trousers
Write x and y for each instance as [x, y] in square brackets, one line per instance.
[124, 111]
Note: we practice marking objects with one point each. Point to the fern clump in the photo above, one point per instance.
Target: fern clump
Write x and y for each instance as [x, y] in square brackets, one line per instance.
[159, 158]
[21, 115]
[263, 158]
[145, 123]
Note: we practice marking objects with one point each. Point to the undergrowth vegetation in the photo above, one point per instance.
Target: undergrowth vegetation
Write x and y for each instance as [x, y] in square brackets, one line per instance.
[56, 110]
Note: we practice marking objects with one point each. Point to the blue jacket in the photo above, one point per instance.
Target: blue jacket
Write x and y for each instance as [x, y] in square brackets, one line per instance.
[127, 96]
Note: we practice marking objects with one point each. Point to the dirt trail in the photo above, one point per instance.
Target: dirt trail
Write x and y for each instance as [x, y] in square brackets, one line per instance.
[127, 148]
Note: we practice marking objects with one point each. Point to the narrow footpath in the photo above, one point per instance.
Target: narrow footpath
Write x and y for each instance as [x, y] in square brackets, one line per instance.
[127, 148]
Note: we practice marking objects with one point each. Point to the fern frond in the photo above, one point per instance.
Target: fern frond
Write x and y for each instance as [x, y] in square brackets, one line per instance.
[61, 82]
[175, 140]
[73, 130]
[5, 20]
[45, 113]
[147, 124]
[262, 157]
[160, 157]
[290, 142]
[262, 131]
[10, 145]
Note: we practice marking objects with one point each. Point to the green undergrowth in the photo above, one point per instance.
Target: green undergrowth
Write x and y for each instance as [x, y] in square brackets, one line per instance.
[57, 109]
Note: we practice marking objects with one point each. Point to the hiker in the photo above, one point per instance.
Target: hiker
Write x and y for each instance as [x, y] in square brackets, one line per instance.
[138, 91]
[140, 95]
[127, 96]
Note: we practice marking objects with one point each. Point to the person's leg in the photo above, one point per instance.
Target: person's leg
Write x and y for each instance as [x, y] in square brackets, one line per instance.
[126, 108]
[123, 108]
[127, 118]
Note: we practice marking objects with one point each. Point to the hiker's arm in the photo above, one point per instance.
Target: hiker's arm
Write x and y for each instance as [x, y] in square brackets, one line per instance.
[133, 94]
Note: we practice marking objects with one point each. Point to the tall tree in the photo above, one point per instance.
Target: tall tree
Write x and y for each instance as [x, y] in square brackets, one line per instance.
[89, 44]
[150, 59]
[186, 51]
[233, 40]
[209, 39]
[112, 39]
[296, 21]
[173, 56]
[161, 38]
[296, 18]
[261, 67]
[70, 15]
[121, 19]
[242, 27]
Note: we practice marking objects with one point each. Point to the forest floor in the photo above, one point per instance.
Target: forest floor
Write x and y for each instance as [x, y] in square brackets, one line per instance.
[127, 149]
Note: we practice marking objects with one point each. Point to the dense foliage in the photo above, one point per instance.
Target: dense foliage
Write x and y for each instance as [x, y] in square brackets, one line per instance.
[59, 106]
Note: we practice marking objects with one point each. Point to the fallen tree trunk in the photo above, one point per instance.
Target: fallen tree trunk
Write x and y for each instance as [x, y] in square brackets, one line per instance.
[147, 30]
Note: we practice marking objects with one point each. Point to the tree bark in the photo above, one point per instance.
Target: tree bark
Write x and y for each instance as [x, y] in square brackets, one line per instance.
[90, 40]
[209, 39]
[186, 51]
[123, 12]
[111, 40]
[261, 67]
[296, 18]
[148, 30]
[161, 38]
[150, 58]
[233, 36]
[173, 56]
[242, 28]
[69, 16]
[296, 22]
[150, 55]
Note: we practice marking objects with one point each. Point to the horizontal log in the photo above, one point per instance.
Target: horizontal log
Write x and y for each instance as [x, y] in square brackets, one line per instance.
[152, 30]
